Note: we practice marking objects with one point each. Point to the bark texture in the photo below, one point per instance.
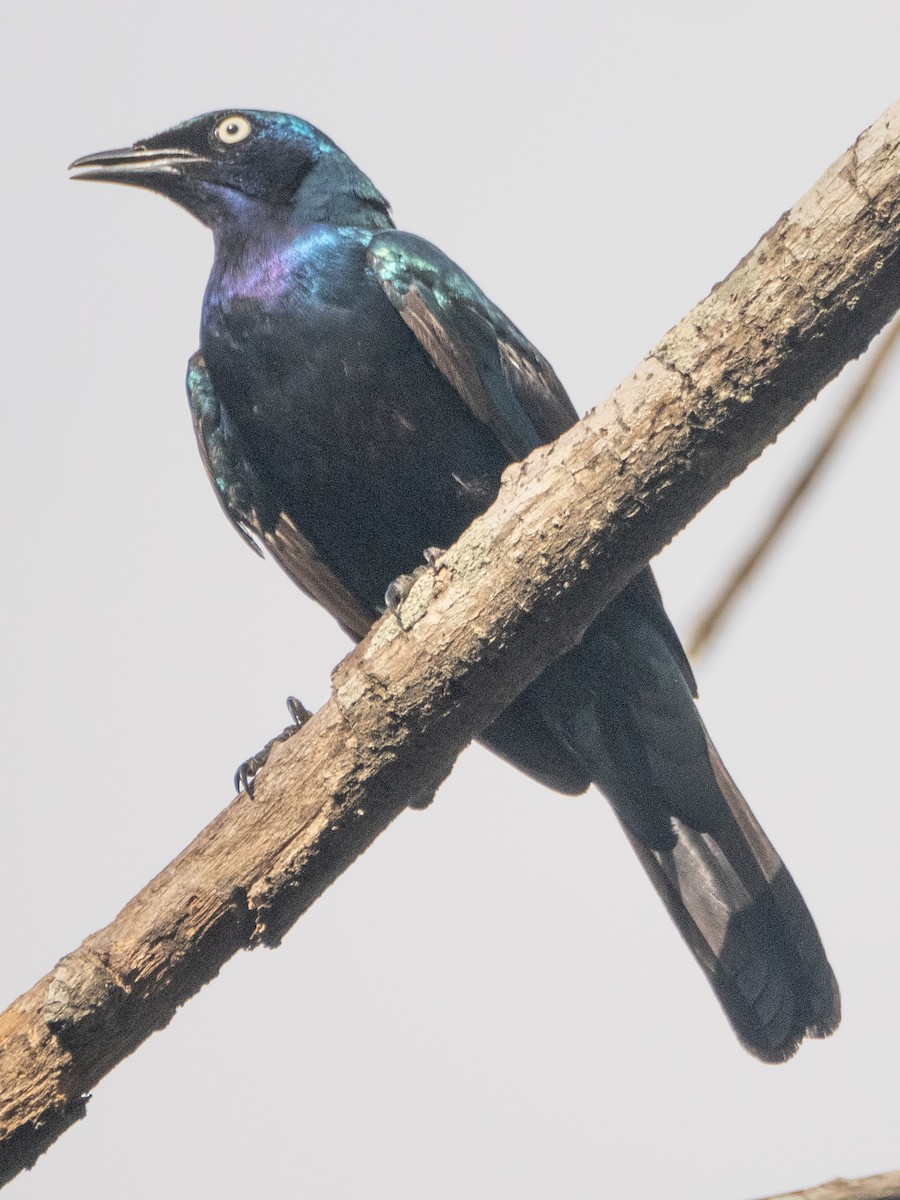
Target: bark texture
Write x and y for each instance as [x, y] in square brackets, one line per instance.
[571, 525]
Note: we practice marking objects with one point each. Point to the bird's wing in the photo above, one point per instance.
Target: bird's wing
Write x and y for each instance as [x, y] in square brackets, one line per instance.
[235, 484]
[506, 383]
[493, 367]
[229, 473]
[504, 380]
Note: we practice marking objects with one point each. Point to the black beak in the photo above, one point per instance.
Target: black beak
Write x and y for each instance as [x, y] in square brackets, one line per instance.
[138, 165]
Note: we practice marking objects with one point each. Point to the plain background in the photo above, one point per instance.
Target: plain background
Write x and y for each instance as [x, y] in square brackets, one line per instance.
[491, 1003]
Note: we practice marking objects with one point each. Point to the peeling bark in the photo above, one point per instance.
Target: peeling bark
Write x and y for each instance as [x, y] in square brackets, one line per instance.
[571, 525]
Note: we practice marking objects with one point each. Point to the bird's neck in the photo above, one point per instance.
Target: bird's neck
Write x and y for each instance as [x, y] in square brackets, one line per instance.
[259, 246]
[336, 192]
[333, 193]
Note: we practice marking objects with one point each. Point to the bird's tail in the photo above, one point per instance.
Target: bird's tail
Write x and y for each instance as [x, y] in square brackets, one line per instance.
[622, 703]
[746, 923]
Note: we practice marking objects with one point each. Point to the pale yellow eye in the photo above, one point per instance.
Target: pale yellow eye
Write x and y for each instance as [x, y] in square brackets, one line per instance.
[233, 129]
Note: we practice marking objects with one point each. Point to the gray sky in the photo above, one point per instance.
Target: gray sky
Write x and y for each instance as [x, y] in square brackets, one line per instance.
[491, 1003]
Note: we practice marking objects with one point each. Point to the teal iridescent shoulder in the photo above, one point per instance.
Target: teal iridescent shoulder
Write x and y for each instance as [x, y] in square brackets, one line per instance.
[201, 397]
[209, 425]
[227, 468]
[400, 260]
[506, 382]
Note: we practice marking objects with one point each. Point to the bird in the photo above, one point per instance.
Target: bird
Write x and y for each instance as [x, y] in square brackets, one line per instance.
[355, 399]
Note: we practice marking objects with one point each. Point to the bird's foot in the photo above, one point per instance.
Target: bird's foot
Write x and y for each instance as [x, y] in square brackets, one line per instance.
[401, 587]
[245, 775]
[398, 591]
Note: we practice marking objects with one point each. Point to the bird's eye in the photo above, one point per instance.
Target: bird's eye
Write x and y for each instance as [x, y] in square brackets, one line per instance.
[233, 129]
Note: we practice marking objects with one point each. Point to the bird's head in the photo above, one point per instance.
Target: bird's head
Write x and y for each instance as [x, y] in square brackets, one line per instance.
[215, 164]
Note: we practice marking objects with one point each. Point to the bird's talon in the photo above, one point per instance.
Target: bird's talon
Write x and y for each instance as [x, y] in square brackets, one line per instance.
[245, 775]
[397, 592]
[300, 714]
[401, 587]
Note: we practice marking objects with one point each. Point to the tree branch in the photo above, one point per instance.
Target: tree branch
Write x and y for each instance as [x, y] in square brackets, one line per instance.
[873, 1187]
[571, 525]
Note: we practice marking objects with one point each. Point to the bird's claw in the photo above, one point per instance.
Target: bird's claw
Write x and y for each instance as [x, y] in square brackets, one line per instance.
[245, 775]
[300, 714]
[397, 592]
[401, 587]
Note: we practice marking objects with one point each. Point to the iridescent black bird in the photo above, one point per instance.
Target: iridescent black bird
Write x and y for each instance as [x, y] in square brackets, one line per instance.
[355, 399]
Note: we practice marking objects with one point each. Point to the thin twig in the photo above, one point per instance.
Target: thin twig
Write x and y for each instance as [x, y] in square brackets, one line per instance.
[710, 622]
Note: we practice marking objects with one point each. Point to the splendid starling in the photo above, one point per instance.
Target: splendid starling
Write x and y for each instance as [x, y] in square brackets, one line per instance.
[356, 397]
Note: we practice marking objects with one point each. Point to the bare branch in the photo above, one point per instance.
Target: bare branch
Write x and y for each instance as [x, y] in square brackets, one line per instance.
[711, 620]
[873, 1187]
[571, 525]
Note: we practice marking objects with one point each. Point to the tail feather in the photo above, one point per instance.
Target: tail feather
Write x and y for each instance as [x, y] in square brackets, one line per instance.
[744, 919]
[819, 996]
[622, 704]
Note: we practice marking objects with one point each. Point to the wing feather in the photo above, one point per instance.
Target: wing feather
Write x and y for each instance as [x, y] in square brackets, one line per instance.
[235, 484]
[491, 366]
